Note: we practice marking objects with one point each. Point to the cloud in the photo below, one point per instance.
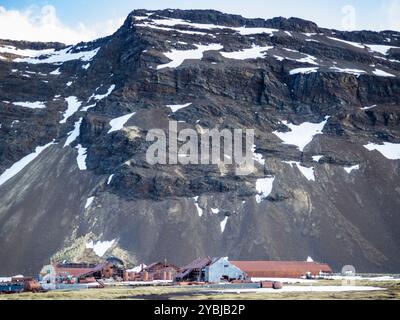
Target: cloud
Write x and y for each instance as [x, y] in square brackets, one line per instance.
[44, 25]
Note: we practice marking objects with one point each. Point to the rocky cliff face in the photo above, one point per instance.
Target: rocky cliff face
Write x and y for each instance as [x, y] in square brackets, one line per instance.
[67, 179]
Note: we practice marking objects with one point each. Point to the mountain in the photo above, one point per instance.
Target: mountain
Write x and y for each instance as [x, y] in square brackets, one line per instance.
[324, 104]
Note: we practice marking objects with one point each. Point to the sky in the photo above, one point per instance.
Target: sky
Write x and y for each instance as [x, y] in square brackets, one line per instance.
[71, 21]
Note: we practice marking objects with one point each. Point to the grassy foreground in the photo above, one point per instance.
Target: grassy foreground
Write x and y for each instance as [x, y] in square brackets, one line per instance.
[192, 293]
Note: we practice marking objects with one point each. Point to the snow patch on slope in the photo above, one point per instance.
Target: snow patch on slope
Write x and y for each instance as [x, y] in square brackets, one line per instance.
[118, 123]
[73, 106]
[354, 44]
[303, 70]
[81, 158]
[258, 157]
[74, 133]
[177, 107]
[390, 151]
[177, 57]
[31, 105]
[60, 56]
[382, 49]
[171, 22]
[110, 179]
[317, 158]
[21, 164]
[196, 203]
[56, 72]
[264, 188]
[223, 224]
[301, 135]
[100, 247]
[381, 73]
[350, 169]
[89, 202]
[99, 97]
[355, 72]
[306, 172]
[251, 53]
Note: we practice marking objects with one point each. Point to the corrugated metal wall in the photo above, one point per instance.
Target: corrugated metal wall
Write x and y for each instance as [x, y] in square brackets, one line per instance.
[220, 268]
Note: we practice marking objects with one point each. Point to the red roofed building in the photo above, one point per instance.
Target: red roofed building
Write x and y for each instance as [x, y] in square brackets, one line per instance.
[281, 269]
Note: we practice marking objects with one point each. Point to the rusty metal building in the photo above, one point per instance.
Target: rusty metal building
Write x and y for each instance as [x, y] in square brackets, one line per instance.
[161, 271]
[74, 270]
[282, 269]
[194, 271]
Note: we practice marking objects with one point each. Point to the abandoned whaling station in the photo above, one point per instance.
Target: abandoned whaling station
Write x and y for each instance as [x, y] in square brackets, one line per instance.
[202, 271]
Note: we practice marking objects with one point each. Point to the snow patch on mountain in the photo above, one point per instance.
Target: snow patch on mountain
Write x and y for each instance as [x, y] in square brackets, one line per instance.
[31, 105]
[382, 49]
[389, 150]
[81, 158]
[381, 73]
[223, 224]
[99, 97]
[317, 158]
[308, 173]
[74, 134]
[177, 57]
[171, 22]
[89, 202]
[355, 72]
[60, 56]
[25, 52]
[354, 44]
[258, 157]
[368, 108]
[118, 123]
[88, 107]
[56, 72]
[303, 70]
[199, 210]
[21, 164]
[264, 188]
[352, 168]
[177, 107]
[301, 135]
[100, 247]
[73, 106]
[110, 179]
[251, 53]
